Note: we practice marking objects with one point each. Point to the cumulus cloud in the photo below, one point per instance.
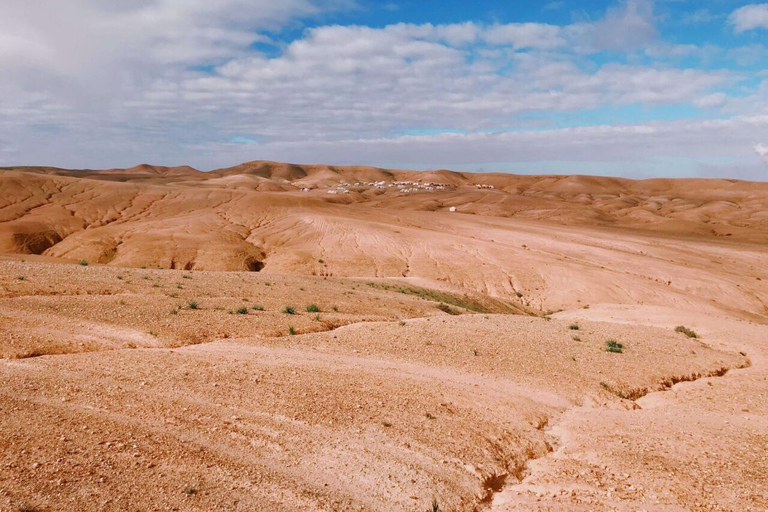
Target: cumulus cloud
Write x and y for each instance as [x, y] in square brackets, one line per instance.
[762, 151]
[749, 17]
[525, 35]
[112, 83]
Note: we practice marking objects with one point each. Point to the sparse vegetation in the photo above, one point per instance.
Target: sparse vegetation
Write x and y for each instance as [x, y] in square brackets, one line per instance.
[435, 506]
[257, 307]
[175, 311]
[574, 327]
[402, 322]
[614, 347]
[83, 263]
[291, 330]
[21, 278]
[190, 490]
[317, 317]
[173, 295]
[453, 299]
[688, 332]
[335, 309]
[289, 310]
[386, 423]
[576, 338]
[242, 310]
[192, 304]
[445, 308]
[313, 308]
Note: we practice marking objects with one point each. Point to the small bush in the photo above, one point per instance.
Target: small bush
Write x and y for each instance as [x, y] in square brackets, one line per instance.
[576, 338]
[688, 332]
[445, 308]
[317, 317]
[574, 327]
[190, 490]
[291, 330]
[21, 278]
[242, 311]
[313, 308]
[289, 310]
[257, 307]
[83, 263]
[335, 308]
[192, 304]
[435, 507]
[614, 347]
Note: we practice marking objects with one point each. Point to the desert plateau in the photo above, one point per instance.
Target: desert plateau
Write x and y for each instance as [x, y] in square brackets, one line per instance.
[285, 337]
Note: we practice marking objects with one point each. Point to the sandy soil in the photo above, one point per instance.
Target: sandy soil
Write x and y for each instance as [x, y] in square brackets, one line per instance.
[285, 350]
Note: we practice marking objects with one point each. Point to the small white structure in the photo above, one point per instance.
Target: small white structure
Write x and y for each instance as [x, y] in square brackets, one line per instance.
[452, 209]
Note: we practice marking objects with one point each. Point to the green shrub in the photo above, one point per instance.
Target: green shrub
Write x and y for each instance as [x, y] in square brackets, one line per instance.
[445, 308]
[574, 327]
[313, 308]
[257, 307]
[242, 311]
[83, 263]
[291, 330]
[192, 304]
[688, 332]
[614, 346]
[289, 310]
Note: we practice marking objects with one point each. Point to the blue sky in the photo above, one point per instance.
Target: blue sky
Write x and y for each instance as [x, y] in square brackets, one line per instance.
[636, 88]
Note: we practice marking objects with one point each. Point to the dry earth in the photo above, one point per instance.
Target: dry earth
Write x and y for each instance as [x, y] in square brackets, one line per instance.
[236, 343]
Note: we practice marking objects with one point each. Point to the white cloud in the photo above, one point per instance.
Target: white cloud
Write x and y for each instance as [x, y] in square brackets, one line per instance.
[711, 101]
[525, 35]
[762, 151]
[112, 83]
[749, 17]
[627, 27]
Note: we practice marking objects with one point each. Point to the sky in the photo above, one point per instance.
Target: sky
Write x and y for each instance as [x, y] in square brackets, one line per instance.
[634, 88]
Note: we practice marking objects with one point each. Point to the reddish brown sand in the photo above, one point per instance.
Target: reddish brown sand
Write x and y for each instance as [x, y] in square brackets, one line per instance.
[457, 356]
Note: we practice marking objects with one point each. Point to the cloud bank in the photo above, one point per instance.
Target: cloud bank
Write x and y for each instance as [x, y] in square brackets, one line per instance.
[103, 84]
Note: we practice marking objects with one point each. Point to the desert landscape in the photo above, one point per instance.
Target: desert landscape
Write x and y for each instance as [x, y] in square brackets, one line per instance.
[308, 337]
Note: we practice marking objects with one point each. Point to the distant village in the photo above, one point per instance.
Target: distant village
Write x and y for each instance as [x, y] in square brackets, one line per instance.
[403, 187]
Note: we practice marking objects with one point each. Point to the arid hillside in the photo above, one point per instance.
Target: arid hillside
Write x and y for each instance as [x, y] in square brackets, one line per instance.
[286, 337]
[518, 238]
